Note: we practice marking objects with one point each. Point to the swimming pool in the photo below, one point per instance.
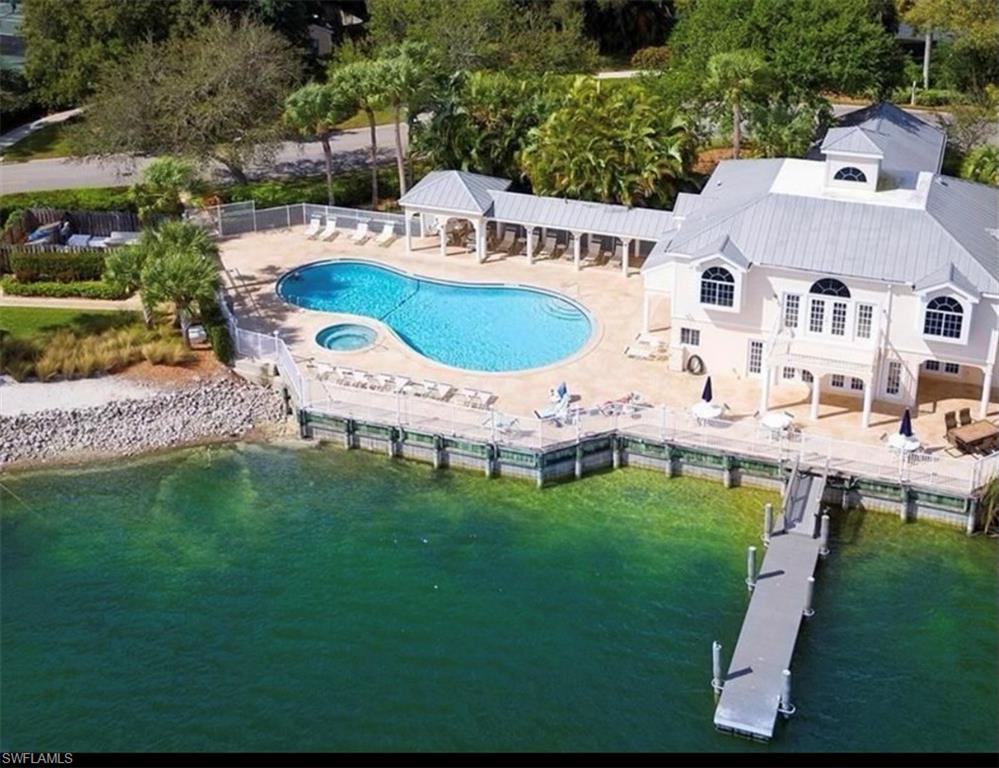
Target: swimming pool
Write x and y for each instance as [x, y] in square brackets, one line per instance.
[463, 325]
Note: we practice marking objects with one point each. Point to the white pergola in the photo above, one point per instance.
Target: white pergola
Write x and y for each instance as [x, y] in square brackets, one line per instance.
[445, 195]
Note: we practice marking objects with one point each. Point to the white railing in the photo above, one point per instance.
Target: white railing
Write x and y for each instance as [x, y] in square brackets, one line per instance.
[232, 219]
[742, 437]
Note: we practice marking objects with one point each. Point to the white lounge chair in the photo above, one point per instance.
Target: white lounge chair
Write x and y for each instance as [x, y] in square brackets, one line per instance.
[330, 231]
[547, 250]
[443, 391]
[468, 394]
[483, 399]
[640, 352]
[315, 224]
[387, 236]
[361, 234]
[324, 371]
[557, 412]
[383, 381]
[504, 244]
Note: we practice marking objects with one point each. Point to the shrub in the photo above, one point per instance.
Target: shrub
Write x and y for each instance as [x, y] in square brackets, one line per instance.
[930, 97]
[30, 265]
[83, 199]
[17, 356]
[87, 289]
[652, 57]
[167, 352]
[217, 330]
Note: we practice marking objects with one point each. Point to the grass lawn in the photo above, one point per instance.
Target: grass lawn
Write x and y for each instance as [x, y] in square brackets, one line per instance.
[49, 141]
[360, 120]
[24, 322]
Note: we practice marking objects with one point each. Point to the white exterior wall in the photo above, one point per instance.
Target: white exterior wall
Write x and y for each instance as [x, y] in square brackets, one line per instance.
[725, 335]
[871, 168]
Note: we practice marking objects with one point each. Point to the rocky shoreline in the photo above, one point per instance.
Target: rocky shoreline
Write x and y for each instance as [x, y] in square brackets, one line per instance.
[221, 408]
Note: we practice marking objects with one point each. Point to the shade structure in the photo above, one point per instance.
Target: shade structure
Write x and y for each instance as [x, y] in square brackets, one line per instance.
[706, 394]
[905, 428]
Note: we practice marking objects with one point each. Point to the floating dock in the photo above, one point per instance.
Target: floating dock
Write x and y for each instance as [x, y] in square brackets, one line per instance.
[756, 688]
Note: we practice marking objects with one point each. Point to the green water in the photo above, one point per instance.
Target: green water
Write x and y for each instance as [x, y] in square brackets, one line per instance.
[260, 599]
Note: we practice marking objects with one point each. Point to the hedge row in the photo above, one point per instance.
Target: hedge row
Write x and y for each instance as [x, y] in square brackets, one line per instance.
[217, 330]
[930, 97]
[87, 289]
[29, 267]
[84, 199]
[352, 188]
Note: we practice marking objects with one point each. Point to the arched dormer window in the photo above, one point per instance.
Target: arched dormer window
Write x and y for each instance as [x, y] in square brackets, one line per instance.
[830, 286]
[849, 173]
[717, 287]
[944, 318]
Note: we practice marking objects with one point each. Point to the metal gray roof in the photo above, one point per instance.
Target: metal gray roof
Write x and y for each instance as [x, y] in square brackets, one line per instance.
[579, 216]
[851, 239]
[906, 142]
[457, 191]
[853, 140]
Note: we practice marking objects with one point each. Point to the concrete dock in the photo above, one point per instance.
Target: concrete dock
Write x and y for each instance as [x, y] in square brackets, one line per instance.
[752, 689]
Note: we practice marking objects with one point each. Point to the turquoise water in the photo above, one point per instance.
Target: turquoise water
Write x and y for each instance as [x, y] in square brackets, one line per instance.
[345, 337]
[476, 327]
[263, 599]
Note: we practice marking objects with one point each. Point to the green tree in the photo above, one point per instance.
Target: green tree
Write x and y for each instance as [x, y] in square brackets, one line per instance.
[166, 186]
[180, 266]
[786, 129]
[481, 121]
[68, 43]
[973, 26]
[316, 110]
[123, 269]
[982, 165]
[736, 77]
[615, 145]
[194, 97]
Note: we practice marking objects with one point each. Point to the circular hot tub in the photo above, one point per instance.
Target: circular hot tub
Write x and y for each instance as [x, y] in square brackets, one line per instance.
[346, 337]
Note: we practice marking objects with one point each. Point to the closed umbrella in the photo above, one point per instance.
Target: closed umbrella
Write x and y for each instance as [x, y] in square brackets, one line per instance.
[707, 394]
[905, 429]
[704, 410]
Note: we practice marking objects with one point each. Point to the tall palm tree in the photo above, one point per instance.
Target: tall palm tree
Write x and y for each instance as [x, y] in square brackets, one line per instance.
[316, 110]
[734, 76]
[364, 83]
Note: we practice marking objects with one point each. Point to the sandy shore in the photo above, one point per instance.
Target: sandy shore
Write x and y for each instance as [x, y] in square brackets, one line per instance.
[32, 397]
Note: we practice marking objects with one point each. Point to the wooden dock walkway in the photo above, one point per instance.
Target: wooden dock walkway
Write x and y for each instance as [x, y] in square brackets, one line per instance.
[751, 693]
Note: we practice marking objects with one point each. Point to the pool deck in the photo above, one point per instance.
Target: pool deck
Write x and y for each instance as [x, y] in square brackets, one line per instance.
[601, 371]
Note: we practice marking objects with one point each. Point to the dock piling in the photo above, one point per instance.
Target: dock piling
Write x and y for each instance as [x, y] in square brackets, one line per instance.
[809, 596]
[751, 568]
[716, 667]
[824, 535]
[786, 707]
[768, 523]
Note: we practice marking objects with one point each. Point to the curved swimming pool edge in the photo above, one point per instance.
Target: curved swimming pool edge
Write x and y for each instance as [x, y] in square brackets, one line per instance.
[596, 335]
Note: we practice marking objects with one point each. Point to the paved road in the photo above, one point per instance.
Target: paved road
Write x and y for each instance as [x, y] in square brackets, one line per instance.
[293, 159]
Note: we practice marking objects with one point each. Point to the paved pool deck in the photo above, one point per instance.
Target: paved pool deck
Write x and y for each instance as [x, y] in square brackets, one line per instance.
[601, 371]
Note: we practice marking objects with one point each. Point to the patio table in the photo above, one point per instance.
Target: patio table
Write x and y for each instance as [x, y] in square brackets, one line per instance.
[971, 436]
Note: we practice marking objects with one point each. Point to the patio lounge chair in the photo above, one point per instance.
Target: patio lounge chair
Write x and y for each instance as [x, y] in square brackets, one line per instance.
[591, 255]
[504, 244]
[517, 248]
[556, 412]
[387, 237]
[503, 423]
[361, 234]
[315, 224]
[964, 417]
[547, 250]
[330, 232]
[482, 399]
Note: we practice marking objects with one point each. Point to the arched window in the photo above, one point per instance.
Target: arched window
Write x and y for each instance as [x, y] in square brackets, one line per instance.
[944, 317]
[829, 286]
[849, 173]
[717, 287]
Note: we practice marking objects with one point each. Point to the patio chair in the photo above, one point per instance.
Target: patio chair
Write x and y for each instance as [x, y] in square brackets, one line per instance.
[516, 247]
[330, 232]
[387, 237]
[504, 244]
[383, 381]
[361, 234]
[950, 424]
[547, 249]
[964, 416]
[608, 251]
[345, 376]
[591, 254]
[325, 371]
[556, 413]
[640, 352]
[482, 399]
[315, 225]
[468, 394]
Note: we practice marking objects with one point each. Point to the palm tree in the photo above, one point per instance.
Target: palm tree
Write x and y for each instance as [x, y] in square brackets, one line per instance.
[363, 83]
[316, 110]
[733, 76]
[988, 504]
[181, 266]
[407, 80]
[123, 269]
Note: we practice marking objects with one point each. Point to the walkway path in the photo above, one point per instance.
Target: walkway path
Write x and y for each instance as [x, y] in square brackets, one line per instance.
[130, 305]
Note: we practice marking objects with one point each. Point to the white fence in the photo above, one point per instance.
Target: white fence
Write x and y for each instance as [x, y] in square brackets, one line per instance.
[239, 218]
[655, 423]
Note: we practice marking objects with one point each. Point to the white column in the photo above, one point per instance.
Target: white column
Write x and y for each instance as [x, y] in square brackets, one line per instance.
[865, 419]
[983, 408]
[442, 229]
[645, 313]
[409, 235]
[479, 240]
[625, 248]
[765, 386]
[530, 245]
[816, 387]
[576, 236]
